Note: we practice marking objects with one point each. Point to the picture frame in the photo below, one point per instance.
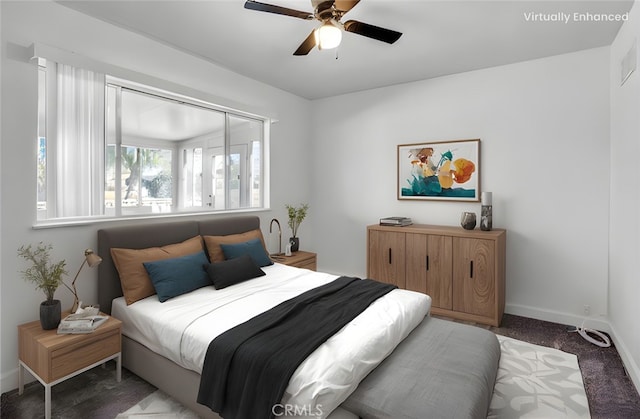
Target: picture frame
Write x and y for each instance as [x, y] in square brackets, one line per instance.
[439, 171]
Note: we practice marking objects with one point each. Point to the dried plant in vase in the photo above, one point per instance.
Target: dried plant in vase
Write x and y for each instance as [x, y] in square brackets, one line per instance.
[47, 276]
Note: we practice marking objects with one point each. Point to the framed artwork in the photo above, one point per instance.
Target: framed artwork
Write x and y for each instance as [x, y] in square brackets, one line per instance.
[441, 171]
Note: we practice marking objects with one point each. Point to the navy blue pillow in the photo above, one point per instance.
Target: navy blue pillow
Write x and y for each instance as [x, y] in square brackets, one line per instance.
[233, 271]
[177, 276]
[253, 248]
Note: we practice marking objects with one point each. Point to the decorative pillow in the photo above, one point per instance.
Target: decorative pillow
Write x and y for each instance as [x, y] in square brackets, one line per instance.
[253, 248]
[233, 271]
[135, 282]
[213, 243]
[177, 276]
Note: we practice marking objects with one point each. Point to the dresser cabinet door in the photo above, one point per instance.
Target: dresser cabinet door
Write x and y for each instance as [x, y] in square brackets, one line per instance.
[387, 257]
[474, 276]
[429, 267]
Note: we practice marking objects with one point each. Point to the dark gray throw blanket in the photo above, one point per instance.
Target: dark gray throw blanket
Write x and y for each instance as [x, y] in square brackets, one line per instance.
[247, 369]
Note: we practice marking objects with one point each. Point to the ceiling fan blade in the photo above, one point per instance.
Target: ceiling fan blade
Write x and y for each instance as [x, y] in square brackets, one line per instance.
[307, 45]
[270, 8]
[345, 5]
[372, 31]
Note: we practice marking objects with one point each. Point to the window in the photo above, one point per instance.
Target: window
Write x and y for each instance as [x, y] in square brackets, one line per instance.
[146, 179]
[111, 148]
[225, 180]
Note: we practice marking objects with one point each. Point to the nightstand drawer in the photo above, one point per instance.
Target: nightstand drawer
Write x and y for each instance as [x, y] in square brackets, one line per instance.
[300, 259]
[73, 357]
[306, 264]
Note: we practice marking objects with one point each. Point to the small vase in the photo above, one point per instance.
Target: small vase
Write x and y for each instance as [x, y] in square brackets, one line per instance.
[295, 243]
[50, 314]
[468, 220]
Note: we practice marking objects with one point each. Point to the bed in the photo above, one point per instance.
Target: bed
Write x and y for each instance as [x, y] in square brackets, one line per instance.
[423, 367]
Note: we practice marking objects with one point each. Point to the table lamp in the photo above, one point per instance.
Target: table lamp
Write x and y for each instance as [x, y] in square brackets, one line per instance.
[91, 259]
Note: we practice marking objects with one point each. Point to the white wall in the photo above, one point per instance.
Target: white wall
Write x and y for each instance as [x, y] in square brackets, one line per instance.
[544, 130]
[544, 127]
[624, 238]
[26, 22]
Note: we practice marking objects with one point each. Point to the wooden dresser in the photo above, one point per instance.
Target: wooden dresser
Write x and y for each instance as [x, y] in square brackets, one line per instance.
[462, 270]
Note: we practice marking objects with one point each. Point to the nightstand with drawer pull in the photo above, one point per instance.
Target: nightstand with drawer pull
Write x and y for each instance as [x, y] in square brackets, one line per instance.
[52, 358]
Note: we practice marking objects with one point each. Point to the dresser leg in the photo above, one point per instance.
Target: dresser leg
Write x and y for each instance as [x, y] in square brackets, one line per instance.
[47, 401]
[20, 379]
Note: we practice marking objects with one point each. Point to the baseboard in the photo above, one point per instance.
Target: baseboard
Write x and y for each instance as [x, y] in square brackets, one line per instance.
[9, 381]
[629, 363]
[558, 317]
[599, 324]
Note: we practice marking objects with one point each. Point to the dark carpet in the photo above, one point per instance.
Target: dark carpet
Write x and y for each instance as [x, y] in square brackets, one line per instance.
[95, 394]
[609, 389]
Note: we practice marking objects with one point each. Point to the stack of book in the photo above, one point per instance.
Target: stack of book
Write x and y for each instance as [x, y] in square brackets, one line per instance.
[395, 221]
[80, 323]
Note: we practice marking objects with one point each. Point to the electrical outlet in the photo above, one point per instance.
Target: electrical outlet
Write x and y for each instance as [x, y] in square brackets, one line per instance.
[587, 309]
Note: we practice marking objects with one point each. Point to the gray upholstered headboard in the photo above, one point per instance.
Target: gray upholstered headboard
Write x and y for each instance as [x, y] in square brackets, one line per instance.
[156, 234]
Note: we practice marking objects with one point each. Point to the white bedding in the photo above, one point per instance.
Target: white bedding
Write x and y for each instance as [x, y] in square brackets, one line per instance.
[182, 328]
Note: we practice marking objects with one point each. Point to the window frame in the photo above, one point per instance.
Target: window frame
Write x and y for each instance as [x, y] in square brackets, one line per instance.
[176, 207]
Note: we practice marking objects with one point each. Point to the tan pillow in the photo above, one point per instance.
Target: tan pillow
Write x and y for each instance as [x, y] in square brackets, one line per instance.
[213, 243]
[134, 279]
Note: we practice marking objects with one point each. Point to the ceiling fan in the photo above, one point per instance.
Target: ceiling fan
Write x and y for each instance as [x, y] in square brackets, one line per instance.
[329, 34]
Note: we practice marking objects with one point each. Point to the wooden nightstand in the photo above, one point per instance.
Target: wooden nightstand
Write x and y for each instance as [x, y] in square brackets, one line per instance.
[300, 259]
[53, 358]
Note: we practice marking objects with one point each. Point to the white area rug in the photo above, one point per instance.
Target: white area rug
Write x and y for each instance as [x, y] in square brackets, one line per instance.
[537, 382]
[158, 405]
[533, 382]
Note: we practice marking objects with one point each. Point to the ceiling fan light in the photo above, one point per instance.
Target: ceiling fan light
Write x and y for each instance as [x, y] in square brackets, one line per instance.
[328, 36]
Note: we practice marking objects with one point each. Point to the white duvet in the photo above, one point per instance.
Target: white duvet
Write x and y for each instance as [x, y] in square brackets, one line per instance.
[182, 328]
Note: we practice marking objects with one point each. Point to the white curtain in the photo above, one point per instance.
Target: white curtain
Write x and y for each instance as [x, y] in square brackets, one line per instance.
[78, 145]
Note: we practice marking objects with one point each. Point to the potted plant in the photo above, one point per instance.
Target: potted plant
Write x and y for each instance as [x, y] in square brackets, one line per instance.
[47, 276]
[296, 215]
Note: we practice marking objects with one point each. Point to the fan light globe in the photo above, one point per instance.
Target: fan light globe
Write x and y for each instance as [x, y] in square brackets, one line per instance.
[328, 36]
